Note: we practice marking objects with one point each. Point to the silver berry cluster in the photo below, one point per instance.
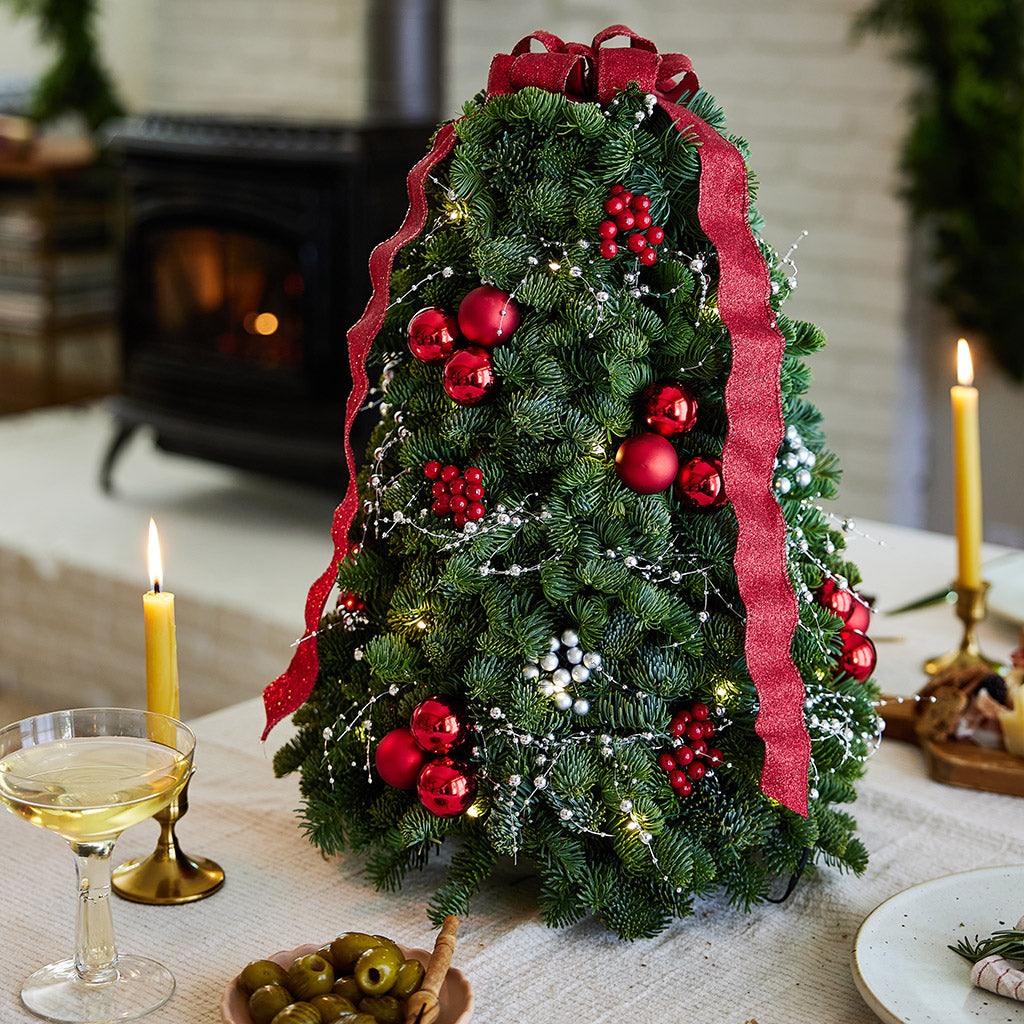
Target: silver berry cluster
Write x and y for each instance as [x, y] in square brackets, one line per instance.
[565, 663]
[794, 463]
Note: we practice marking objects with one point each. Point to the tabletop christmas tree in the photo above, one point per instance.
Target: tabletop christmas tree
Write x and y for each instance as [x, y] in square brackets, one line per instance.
[591, 612]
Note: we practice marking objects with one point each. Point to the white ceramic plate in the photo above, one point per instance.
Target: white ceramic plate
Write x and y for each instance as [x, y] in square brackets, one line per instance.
[900, 961]
[1006, 597]
[455, 998]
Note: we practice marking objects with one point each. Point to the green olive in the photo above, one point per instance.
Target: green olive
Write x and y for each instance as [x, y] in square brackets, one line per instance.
[298, 1013]
[325, 952]
[410, 977]
[383, 940]
[346, 948]
[385, 1009]
[331, 1006]
[348, 988]
[356, 1018]
[260, 973]
[310, 975]
[267, 1001]
[376, 970]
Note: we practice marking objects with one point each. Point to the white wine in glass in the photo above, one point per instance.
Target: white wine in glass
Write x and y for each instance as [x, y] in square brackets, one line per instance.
[88, 774]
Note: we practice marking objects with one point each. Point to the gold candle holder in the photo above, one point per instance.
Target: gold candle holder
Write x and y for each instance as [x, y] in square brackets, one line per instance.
[970, 610]
[167, 875]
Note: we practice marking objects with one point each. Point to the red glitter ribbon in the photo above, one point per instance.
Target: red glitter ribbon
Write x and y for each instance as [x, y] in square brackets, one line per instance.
[753, 396]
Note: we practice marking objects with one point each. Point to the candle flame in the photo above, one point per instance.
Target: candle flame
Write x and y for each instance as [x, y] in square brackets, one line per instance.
[964, 366]
[156, 564]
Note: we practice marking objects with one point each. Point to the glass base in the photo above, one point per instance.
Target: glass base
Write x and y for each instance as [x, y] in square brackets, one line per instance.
[57, 992]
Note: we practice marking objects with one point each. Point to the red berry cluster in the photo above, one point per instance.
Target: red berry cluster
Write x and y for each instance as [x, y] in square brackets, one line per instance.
[687, 763]
[628, 212]
[460, 496]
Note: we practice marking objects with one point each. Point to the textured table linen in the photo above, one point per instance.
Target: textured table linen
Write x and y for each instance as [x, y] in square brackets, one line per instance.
[787, 964]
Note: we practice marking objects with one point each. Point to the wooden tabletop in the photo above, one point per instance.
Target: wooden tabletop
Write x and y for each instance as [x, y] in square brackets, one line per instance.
[47, 157]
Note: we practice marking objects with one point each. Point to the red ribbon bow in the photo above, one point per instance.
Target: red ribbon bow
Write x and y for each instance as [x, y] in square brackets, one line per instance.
[753, 396]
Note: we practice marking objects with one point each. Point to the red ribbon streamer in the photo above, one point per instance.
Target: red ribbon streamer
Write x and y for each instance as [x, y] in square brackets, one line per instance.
[290, 689]
[753, 393]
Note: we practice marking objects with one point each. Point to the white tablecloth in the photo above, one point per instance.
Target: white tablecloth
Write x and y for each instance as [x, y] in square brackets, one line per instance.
[788, 964]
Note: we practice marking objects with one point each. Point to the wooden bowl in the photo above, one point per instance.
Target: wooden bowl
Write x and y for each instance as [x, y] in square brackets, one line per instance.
[455, 998]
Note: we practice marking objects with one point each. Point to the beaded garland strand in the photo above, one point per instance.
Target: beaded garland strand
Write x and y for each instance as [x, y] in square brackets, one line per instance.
[498, 610]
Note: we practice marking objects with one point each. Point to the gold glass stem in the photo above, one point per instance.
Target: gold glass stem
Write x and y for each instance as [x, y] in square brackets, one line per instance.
[970, 610]
[168, 875]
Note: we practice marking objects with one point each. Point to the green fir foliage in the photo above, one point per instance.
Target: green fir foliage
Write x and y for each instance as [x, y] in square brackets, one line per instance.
[569, 559]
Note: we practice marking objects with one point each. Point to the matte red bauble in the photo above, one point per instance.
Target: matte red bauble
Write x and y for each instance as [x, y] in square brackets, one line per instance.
[432, 335]
[438, 724]
[699, 483]
[846, 604]
[669, 408]
[646, 463]
[468, 376]
[399, 759]
[445, 787]
[858, 655]
[488, 316]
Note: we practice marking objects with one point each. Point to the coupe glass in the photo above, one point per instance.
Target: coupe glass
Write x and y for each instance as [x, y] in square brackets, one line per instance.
[88, 774]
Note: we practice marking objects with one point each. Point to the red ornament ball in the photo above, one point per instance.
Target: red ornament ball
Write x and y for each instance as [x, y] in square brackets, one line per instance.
[846, 604]
[438, 724]
[699, 483]
[432, 335]
[399, 759]
[468, 376]
[858, 655]
[446, 787]
[669, 408]
[646, 463]
[488, 316]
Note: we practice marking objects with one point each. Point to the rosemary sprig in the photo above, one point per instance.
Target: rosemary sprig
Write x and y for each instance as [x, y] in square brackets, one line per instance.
[1007, 942]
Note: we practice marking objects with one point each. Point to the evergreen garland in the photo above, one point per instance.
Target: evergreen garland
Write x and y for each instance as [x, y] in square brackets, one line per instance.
[964, 155]
[566, 546]
[76, 80]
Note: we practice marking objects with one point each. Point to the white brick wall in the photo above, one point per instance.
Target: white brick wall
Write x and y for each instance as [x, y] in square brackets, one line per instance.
[823, 117]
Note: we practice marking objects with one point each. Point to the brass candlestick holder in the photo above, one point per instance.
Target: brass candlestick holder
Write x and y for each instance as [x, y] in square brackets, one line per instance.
[970, 610]
[167, 875]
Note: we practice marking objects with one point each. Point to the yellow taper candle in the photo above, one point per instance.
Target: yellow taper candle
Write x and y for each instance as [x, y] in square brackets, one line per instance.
[966, 470]
[161, 643]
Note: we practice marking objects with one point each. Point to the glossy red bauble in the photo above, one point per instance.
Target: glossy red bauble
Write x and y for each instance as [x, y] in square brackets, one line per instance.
[699, 483]
[646, 463]
[468, 376]
[446, 787]
[488, 316]
[668, 408]
[438, 724]
[846, 604]
[858, 656]
[432, 335]
[399, 759]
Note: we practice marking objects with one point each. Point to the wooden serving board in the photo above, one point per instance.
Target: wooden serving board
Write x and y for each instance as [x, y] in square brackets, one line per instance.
[954, 762]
